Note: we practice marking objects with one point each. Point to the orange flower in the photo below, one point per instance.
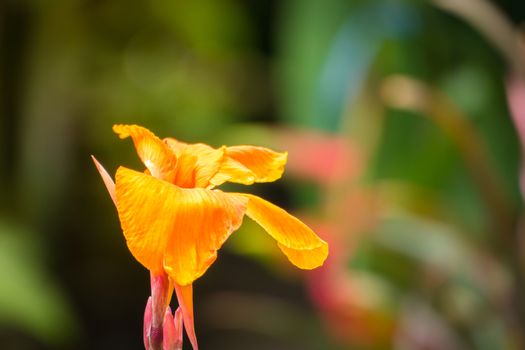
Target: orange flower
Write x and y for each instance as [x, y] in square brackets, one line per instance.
[174, 220]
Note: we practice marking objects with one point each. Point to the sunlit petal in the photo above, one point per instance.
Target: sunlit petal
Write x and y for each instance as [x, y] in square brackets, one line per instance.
[208, 162]
[232, 170]
[175, 145]
[296, 240]
[185, 171]
[203, 220]
[174, 229]
[154, 153]
[139, 203]
[198, 163]
[249, 164]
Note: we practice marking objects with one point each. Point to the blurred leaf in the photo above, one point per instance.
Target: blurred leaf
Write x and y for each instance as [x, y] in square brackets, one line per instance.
[444, 249]
[327, 51]
[29, 297]
[307, 29]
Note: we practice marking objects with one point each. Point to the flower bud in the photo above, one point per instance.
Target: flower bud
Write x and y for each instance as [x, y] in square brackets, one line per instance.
[172, 330]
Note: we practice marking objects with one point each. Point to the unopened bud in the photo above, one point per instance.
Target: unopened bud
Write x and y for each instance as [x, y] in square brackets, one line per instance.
[147, 324]
[172, 330]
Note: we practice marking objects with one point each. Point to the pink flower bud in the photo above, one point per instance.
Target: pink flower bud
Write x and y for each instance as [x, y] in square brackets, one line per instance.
[147, 324]
[172, 330]
[152, 334]
[178, 320]
[161, 291]
[156, 308]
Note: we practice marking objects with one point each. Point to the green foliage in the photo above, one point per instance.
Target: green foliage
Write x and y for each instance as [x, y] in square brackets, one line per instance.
[30, 297]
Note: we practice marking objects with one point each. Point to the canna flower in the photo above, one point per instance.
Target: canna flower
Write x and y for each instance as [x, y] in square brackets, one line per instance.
[174, 219]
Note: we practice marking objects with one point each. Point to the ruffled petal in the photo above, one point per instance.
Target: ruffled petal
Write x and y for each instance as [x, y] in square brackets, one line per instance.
[155, 154]
[208, 162]
[174, 229]
[203, 220]
[198, 163]
[296, 240]
[249, 164]
[212, 167]
[175, 145]
[232, 170]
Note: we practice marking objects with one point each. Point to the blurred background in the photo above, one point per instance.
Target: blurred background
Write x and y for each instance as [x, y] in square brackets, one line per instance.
[402, 119]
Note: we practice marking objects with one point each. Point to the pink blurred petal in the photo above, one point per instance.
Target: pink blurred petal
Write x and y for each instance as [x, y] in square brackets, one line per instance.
[325, 158]
[515, 87]
[516, 99]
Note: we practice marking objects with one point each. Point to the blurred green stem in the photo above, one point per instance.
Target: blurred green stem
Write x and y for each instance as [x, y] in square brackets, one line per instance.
[474, 152]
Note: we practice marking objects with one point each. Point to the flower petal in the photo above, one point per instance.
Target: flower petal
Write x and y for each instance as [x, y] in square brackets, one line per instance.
[108, 181]
[296, 240]
[185, 299]
[203, 220]
[174, 229]
[138, 208]
[232, 170]
[208, 162]
[154, 153]
[249, 164]
[198, 163]
[175, 145]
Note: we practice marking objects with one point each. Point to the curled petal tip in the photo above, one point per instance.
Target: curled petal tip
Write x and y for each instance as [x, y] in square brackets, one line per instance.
[153, 152]
[121, 130]
[297, 241]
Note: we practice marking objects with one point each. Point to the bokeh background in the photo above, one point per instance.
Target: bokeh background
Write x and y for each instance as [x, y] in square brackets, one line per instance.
[402, 121]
